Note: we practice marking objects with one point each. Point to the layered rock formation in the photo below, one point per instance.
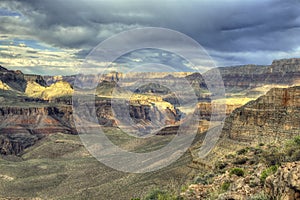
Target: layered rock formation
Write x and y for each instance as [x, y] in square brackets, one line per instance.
[25, 108]
[205, 109]
[283, 72]
[273, 116]
[142, 110]
[21, 127]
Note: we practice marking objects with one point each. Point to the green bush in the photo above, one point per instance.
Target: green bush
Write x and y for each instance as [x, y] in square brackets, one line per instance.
[184, 188]
[297, 140]
[160, 195]
[225, 186]
[292, 150]
[267, 172]
[237, 171]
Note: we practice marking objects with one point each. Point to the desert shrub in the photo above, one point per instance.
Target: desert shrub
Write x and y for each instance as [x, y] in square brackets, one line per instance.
[184, 188]
[229, 156]
[252, 162]
[225, 186]
[261, 144]
[260, 196]
[241, 161]
[296, 155]
[253, 184]
[161, 195]
[273, 156]
[292, 149]
[297, 140]
[237, 171]
[267, 172]
[242, 151]
[204, 179]
[220, 165]
[257, 151]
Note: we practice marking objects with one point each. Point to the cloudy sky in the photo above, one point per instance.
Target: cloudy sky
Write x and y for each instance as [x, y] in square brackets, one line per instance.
[53, 37]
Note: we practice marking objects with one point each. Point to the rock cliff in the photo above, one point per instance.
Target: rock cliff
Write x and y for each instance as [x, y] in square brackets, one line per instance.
[14, 79]
[273, 116]
[282, 72]
[21, 127]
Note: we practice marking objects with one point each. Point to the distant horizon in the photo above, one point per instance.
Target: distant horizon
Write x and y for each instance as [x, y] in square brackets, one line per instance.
[262, 65]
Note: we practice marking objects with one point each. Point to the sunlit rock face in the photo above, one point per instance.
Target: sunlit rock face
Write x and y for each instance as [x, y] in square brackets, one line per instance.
[57, 89]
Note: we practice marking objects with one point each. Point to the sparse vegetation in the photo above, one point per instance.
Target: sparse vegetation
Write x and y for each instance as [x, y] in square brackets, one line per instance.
[184, 188]
[292, 149]
[225, 186]
[161, 195]
[297, 140]
[260, 196]
[220, 165]
[241, 161]
[204, 179]
[267, 172]
[237, 171]
[242, 151]
[274, 156]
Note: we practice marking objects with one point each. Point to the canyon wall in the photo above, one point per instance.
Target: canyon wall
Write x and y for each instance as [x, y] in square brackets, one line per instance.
[282, 72]
[271, 117]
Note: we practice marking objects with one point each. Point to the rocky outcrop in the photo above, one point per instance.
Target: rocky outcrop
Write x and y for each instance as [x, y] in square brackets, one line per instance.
[35, 118]
[153, 88]
[142, 110]
[285, 184]
[35, 78]
[58, 89]
[274, 116]
[14, 79]
[16, 143]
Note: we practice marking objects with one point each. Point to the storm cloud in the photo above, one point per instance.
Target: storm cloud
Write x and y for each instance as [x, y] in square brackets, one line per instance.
[232, 31]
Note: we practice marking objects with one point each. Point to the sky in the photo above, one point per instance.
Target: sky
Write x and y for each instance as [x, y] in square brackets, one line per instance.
[54, 37]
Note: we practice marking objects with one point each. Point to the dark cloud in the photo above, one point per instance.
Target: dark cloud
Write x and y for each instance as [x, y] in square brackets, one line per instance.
[223, 27]
[142, 57]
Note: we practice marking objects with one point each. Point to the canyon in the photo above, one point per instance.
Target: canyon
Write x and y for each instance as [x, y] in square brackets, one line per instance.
[37, 123]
